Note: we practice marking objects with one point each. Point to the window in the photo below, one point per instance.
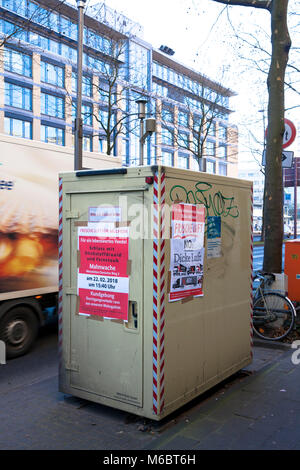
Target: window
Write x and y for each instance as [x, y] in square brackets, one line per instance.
[183, 161]
[167, 114]
[102, 145]
[45, 43]
[183, 118]
[18, 96]
[18, 128]
[17, 6]
[53, 46]
[183, 140]
[222, 151]
[167, 158]
[52, 135]
[52, 74]
[17, 62]
[104, 117]
[86, 113]
[53, 21]
[67, 28]
[197, 122]
[87, 143]
[52, 105]
[38, 14]
[210, 166]
[211, 127]
[166, 136]
[87, 86]
[106, 93]
[222, 132]
[223, 169]
[68, 52]
[210, 148]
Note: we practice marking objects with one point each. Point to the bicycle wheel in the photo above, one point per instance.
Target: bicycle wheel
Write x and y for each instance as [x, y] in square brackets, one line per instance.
[273, 316]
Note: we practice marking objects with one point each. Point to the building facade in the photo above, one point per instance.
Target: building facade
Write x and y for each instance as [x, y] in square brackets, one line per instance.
[38, 89]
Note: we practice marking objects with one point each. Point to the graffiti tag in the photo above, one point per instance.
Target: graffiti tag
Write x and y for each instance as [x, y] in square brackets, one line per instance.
[216, 204]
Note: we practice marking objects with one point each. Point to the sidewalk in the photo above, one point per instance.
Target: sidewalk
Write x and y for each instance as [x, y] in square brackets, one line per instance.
[259, 412]
[259, 408]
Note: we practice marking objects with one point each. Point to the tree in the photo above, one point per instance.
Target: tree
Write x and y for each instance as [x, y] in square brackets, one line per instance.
[115, 115]
[273, 202]
[33, 13]
[196, 122]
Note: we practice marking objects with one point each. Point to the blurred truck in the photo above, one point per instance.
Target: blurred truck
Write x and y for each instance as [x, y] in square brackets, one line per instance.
[29, 234]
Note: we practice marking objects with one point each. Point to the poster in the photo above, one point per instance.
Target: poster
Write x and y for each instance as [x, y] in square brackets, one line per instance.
[214, 237]
[103, 282]
[187, 251]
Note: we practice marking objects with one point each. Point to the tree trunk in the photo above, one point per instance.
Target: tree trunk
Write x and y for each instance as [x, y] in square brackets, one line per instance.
[273, 203]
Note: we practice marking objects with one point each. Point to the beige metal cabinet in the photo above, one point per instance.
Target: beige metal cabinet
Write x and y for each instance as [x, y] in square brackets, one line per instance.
[164, 353]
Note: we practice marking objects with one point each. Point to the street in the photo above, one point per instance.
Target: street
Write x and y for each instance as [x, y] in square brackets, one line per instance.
[258, 257]
[35, 415]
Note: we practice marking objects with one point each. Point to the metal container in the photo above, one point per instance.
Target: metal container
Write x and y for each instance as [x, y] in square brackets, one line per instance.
[185, 324]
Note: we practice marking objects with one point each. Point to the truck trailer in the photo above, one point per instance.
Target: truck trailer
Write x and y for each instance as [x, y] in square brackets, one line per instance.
[29, 234]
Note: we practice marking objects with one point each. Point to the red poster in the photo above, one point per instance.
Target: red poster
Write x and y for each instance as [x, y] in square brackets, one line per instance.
[103, 282]
[187, 251]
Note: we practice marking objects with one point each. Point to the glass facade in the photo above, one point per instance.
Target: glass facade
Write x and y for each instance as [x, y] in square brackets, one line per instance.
[183, 118]
[222, 169]
[182, 161]
[167, 158]
[18, 127]
[86, 113]
[52, 74]
[17, 62]
[52, 105]
[52, 135]
[87, 84]
[175, 96]
[18, 96]
[210, 166]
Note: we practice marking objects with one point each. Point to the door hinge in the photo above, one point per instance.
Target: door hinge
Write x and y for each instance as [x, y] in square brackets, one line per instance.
[72, 214]
[72, 367]
[70, 290]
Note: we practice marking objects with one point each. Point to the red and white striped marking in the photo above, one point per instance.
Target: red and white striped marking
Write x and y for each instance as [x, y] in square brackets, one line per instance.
[162, 291]
[159, 286]
[60, 270]
[251, 277]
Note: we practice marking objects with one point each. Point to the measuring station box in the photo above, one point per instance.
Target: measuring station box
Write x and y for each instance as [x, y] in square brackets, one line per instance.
[155, 285]
[292, 268]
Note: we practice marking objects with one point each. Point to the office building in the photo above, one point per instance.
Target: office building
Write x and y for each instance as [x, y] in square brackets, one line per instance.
[38, 89]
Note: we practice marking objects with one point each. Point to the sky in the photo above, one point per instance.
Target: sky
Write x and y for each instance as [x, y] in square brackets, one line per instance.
[203, 35]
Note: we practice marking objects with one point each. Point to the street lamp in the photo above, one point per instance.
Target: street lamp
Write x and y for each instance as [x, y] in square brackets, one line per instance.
[150, 126]
[78, 120]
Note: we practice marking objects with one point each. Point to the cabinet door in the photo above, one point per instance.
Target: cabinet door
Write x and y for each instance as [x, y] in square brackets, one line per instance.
[106, 356]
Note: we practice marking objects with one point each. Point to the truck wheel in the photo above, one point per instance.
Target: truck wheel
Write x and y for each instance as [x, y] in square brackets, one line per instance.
[18, 329]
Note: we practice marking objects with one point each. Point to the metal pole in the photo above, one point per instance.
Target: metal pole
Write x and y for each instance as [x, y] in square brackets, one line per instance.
[78, 120]
[141, 142]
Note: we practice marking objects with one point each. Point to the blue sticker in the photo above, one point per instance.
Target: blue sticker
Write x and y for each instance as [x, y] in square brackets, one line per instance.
[214, 227]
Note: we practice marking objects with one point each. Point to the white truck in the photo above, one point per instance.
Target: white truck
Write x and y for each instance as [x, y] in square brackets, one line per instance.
[28, 234]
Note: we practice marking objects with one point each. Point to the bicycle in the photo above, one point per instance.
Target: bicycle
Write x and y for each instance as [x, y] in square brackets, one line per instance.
[273, 313]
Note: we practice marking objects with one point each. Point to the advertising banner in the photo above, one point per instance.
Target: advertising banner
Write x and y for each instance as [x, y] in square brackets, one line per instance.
[103, 282]
[187, 251]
